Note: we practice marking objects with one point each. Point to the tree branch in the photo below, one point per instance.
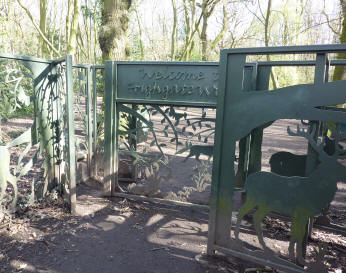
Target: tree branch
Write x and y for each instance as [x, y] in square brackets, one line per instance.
[337, 32]
[45, 39]
[245, 4]
[223, 30]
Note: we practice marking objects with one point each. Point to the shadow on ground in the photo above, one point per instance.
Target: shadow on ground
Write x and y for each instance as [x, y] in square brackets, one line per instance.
[110, 235]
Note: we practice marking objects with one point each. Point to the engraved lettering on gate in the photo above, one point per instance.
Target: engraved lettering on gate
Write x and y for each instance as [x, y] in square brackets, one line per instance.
[185, 82]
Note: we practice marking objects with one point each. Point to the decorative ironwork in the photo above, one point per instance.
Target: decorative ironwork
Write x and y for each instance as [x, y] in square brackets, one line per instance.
[243, 113]
[44, 140]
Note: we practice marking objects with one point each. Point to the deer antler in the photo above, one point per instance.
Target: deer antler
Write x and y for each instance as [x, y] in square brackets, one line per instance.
[308, 136]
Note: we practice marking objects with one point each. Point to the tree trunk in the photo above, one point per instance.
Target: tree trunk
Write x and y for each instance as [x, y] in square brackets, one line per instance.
[43, 12]
[204, 37]
[266, 40]
[223, 30]
[207, 10]
[68, 19]
[174, 30]
[339, 71]
[114, 26]
[140, 32]
[72, 41]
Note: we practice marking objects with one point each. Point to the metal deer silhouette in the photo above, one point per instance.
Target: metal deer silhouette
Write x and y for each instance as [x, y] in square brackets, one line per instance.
[299, 197]
[288, 164]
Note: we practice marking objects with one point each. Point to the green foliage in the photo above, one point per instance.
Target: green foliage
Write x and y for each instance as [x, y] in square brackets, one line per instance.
[15, 90]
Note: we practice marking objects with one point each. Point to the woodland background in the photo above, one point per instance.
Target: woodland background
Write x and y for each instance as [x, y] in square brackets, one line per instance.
[162, 30]
[183, 30]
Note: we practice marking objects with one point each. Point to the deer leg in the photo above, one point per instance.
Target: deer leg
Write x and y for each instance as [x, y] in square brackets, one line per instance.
[300, 240]
[298, 230]
[245, 209]
[258, 216]
[293, 241]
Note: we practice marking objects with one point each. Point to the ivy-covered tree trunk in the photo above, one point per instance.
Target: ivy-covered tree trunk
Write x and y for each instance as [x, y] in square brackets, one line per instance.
[113, 30]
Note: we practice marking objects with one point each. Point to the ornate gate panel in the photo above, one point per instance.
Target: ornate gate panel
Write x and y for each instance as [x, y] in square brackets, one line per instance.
[49, 142]
[299, 197]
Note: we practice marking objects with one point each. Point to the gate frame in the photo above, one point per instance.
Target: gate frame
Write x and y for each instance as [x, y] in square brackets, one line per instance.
[37, 77]
[232, 62]
[111, 117]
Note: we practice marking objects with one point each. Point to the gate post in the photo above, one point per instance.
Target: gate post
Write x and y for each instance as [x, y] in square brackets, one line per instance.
[71, 139]
[109, 131]
[90, 119]
[94, 129]
[223, 177]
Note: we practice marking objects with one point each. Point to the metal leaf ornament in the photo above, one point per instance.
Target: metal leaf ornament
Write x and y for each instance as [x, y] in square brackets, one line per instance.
[6, 176]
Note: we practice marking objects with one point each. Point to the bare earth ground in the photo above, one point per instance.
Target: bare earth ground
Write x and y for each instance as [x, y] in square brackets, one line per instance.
[113, 235]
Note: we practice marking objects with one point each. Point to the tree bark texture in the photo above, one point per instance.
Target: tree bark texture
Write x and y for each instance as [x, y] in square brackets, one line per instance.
[207, 10]
[72, 41]
[43, 12]
[174, 30]
[113, 30]
[339, 72]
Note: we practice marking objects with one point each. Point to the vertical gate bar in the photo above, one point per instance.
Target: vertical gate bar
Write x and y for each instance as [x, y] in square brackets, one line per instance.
[115, 181]
[56, 117]
[231, 70]
[133, 125]
[115, 148]
[321, 76]
[253, 86]
[94, 100]
[133, 141]
[255, 157]
[71, 137]
[89, 107]
[108, 130]
[250, 74]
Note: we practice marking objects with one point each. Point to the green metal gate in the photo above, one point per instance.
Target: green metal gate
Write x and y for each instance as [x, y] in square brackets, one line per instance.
[52, 131]
[243, 113]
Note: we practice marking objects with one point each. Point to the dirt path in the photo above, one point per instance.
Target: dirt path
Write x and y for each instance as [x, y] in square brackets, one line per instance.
[115, 236]
[112, 236]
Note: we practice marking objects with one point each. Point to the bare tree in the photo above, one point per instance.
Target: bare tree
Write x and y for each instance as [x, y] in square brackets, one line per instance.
[207, 7]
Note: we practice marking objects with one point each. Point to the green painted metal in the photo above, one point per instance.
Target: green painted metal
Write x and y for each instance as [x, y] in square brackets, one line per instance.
[26, 59]
[231, 79]
[164, 83]
[250, 77]
[320, 78]
[109, 131]
[49, 79]
[241, 117]
[71, 137]
[238, 114]
[255, 157]
[167, 83]
[89, 108]
[332, 48]
[94, 129]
